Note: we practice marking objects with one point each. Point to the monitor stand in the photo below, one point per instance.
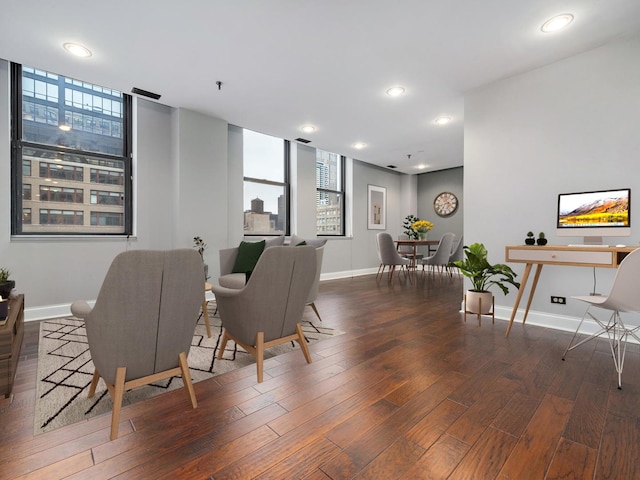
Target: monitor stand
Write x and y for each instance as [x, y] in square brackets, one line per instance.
[592, 240]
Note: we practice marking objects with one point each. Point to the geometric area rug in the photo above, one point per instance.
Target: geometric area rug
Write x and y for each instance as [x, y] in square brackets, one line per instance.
[65, 369]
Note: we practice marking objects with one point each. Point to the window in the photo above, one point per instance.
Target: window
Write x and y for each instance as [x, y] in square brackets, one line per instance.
[266, 188]
[68, 136]
[330, 172]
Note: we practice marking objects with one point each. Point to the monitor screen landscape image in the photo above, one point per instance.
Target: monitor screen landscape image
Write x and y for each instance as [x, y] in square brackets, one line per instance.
[602, 209]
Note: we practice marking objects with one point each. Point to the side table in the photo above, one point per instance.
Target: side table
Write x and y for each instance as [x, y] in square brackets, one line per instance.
[11, 334]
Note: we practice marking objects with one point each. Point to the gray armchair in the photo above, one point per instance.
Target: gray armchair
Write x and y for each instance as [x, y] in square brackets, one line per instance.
[237, 280]
[267, 310]
[141, 327]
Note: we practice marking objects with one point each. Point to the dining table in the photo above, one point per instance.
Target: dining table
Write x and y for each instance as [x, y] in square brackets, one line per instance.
[415, 244]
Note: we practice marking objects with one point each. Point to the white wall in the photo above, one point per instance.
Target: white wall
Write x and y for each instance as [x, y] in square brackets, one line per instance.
[569, 126]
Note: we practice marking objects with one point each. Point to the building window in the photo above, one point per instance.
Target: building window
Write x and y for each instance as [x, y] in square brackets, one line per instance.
[60, 217]
[61, 194]
[330, 173]
[68, 136]
[106, 219]
[99, 197]
[266, 187]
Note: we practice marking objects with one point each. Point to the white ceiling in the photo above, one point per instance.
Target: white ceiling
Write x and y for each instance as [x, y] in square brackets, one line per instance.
[285, 63]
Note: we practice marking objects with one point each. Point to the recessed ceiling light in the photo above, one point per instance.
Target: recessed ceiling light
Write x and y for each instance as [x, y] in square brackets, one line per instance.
[557, 23]
[395, 91]
[442, 120]
[64, 128]
[359, 145]
[308, 128]
[77, 50]
[422, 166]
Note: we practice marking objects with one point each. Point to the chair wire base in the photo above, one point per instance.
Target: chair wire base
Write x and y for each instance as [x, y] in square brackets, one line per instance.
[617, 334]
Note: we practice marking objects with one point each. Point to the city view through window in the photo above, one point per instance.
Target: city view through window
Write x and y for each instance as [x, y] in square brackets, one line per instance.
[75, 167]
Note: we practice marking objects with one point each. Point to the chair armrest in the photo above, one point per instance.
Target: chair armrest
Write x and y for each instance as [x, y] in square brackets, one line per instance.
[219, 291]
[81, 309]
[227, 260]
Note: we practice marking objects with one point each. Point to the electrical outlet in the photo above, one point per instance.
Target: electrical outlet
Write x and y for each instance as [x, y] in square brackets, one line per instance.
[558, 300]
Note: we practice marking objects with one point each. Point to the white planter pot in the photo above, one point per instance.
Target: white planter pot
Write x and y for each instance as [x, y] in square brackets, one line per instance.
[478, 302]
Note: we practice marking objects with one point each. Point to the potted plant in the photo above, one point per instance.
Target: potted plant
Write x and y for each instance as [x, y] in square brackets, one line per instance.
[541, 239]
[530, 240]
[422, 227]
[6, 285]
[198, 244]
[409, 231]
[483, 275]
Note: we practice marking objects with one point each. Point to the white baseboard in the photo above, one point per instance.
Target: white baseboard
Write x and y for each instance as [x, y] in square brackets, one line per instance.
[32, 314]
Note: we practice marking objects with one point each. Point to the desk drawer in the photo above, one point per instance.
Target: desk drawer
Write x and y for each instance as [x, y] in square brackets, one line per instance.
[562, 257]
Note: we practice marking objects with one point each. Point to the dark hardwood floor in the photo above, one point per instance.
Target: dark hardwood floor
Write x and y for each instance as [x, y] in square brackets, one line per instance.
[409, 391]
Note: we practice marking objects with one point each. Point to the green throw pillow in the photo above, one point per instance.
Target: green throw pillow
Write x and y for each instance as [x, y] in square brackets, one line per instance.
[302, 243]
[248, 255]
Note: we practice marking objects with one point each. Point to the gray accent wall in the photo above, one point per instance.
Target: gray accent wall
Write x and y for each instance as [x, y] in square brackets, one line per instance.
[432, 184]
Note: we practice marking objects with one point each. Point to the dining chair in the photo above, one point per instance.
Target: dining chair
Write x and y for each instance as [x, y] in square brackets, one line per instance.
[389, 257]
[623, 297]
[407, 250]
[457, 253]
[440, 259]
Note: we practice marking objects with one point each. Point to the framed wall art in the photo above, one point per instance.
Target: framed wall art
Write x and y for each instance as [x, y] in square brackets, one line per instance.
[376, 207]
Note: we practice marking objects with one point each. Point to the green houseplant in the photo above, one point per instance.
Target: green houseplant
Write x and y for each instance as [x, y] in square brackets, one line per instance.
[407, 224]
[483, 275]
[541, 239]
[6, 285]
[530, 240]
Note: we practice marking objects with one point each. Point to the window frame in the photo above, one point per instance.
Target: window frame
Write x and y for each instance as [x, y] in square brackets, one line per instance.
[18, 145]
[286, 184]
[341, 191]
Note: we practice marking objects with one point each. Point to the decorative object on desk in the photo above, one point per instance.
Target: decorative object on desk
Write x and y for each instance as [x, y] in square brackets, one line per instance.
[199, 245]
[483, 275]
[530, 240]
[376, 207]
[422, 227]
[445, 204]
[541, 239]
[65, 368]
[6, 285]
[409, 231]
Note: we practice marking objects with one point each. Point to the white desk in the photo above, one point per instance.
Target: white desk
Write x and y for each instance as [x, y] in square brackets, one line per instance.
[580, 256]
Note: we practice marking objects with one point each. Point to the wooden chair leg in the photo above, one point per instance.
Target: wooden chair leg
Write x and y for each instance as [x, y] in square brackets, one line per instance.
[186, 379]
[223, 344]
[303, 343]
[205, 314]
[94, 383]
[118, 393]
[260, 355]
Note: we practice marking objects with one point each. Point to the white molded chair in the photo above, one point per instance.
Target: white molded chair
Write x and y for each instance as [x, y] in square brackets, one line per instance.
[440, 259]
[623, 297]
[389, 257]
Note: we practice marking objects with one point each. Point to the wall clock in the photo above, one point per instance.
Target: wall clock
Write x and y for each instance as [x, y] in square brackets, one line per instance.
[445, 204]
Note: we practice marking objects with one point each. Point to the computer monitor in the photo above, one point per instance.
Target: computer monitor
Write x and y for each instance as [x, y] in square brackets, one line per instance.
[593, 215]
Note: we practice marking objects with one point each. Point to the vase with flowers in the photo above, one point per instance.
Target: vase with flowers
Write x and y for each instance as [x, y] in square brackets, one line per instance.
[422, 227]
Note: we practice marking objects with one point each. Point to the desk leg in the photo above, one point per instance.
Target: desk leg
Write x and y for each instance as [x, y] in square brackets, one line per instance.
[205, 314]
[525, 277]
[533, 290]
